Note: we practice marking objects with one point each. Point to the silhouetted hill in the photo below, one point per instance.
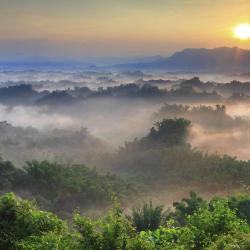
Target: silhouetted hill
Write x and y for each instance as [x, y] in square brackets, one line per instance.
[221, 59]
[56, 98]
[18, 94]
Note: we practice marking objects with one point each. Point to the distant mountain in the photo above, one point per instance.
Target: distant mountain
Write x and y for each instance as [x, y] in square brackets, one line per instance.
[86, 63]
[221, 59]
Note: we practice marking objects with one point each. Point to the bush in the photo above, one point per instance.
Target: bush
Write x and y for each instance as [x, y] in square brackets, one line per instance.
[208, 223]
[232, 242]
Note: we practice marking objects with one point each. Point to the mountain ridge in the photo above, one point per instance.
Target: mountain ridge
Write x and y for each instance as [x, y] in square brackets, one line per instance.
[220, 59]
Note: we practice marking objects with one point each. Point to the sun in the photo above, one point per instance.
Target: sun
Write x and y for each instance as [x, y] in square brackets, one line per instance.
[242, 31]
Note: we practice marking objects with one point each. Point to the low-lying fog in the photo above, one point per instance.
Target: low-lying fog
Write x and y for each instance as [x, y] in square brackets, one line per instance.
[62, 79]
[113, 121]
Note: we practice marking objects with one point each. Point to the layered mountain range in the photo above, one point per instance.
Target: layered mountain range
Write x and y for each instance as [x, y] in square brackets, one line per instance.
[219, 60]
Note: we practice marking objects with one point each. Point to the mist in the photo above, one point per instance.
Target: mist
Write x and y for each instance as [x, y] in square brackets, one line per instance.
[107, 125]
[116, 120]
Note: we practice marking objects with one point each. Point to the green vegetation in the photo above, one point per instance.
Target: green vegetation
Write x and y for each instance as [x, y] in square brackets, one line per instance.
[148, 217]
[186, 207]
[164, 157]
[168, 133]
[213, 224]
[62, 187]
[21, 221]
[159, 160]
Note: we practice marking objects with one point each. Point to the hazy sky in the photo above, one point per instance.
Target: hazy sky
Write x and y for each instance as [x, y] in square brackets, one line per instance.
[77, 28]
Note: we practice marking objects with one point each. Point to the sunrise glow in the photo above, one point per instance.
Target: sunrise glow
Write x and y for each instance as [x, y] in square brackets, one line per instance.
[242, 31]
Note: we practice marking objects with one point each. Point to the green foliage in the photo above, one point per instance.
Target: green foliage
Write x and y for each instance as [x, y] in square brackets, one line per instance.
[231, 242]
[89, 238]
[168, 238]
[241, 205]
[181, 165]
[164, 157]
[9, 175]
[168, 132]
[215, 220]
[209, 225]
[65, 181]
[63, 187]
[161, 158]
[109, 233]
[185, 207]
[48, 241]
[148, 217]
[20, 219]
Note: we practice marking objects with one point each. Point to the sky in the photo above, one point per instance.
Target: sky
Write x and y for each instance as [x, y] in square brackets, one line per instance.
[119, 28]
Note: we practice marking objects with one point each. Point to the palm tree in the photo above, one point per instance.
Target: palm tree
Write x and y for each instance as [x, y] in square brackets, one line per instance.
[187, 206]
[148, 217]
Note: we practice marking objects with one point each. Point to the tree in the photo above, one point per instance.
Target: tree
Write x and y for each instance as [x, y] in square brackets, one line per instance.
[148, 217]
[168, 132]
[20, 220]
[241, 205]
[187, 206]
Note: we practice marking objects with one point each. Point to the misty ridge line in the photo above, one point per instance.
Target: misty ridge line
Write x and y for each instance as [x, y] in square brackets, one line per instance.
[209, 123]
[146, 97]
[158, 153]
[139, 105]
[177, 90]
[147, 132]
